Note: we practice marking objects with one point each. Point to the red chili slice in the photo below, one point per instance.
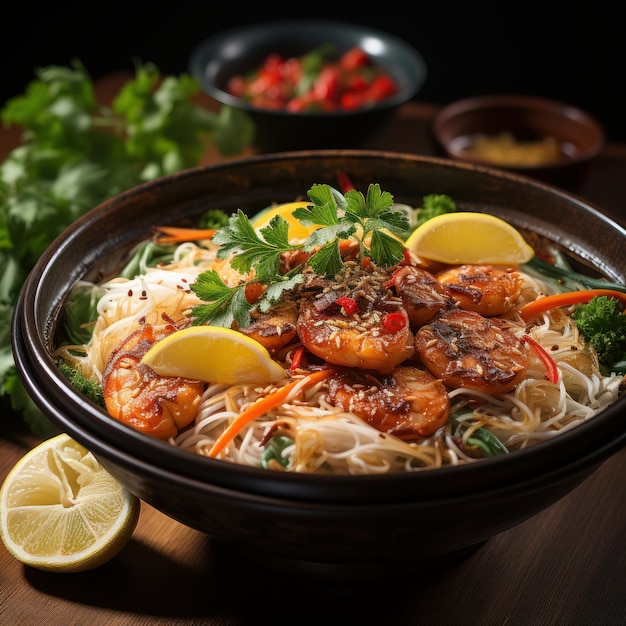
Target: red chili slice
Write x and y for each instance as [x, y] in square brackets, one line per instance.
[552, 371]
[394, 322]
[349, 305]
[298, 358]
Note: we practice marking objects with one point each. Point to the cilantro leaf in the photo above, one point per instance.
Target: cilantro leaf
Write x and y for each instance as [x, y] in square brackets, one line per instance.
[327, 261]
[221, 300]
[247, 249]
[386, 248]
[224, 305]
[376, 202]
[371, 216]
[276, 289]
[328, 211]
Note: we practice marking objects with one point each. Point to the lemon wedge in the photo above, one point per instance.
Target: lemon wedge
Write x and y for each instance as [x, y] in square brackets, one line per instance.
[61, 511]
[467, 237]
[213, 354]
[296, 229]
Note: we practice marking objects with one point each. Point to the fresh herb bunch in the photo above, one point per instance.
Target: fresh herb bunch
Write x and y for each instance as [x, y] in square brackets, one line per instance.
[353, 216]
[75, 154]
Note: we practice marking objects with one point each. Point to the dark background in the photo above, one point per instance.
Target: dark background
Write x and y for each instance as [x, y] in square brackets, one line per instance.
[472, 48]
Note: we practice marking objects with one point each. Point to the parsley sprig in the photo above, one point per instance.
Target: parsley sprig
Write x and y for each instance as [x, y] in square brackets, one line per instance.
[366, 220]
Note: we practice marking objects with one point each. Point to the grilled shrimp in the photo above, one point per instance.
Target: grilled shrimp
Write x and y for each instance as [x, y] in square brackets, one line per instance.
[276, 328]
[422, 295]
[357, 340]
[408, 402]
[487, 289]
[356, 322]
[136, 395]
[465, 349]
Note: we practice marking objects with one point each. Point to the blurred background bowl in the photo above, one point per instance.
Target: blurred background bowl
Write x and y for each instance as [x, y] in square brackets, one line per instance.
[549, 140]
[242, 50]
[313, 524]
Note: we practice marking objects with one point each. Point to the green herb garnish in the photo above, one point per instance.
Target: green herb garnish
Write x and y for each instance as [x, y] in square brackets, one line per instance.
[354, 217]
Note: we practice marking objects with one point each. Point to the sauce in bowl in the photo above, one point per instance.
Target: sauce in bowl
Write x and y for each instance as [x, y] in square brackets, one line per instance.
[504, 149]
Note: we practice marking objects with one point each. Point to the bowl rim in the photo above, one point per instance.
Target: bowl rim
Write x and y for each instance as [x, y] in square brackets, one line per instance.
[570, 111]
[41, 376]
[213, 48]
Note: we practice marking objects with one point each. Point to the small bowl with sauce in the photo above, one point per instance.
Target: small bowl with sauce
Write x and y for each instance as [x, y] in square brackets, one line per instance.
[546, 139]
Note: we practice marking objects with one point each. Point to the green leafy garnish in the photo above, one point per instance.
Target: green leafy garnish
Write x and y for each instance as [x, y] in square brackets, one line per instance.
[312, 64]
[355, 217]
[364, 217]
[249, 250]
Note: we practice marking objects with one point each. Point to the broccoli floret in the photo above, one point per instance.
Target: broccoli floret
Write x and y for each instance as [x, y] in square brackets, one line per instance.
[90, 388]
[602, 322]
[433, 205]
[213, 218]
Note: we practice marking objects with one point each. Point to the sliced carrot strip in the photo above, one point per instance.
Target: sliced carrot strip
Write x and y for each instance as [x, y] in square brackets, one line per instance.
[541, 305]
[173, 234]
[263, 405]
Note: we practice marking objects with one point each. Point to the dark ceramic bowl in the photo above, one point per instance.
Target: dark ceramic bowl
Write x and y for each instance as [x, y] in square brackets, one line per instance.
[241, 50]
[578, 136]
[340, 526]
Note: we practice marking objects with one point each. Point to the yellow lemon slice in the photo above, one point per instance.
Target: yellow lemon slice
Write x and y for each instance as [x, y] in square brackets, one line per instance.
[61, 511]
[467, 237]
[296, 229]
[214, 354]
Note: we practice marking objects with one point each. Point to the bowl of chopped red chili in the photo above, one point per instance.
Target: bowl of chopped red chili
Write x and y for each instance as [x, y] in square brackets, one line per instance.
[309, 84]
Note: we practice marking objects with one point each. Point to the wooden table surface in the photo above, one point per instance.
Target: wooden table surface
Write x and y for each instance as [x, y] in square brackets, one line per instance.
[566, 565]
